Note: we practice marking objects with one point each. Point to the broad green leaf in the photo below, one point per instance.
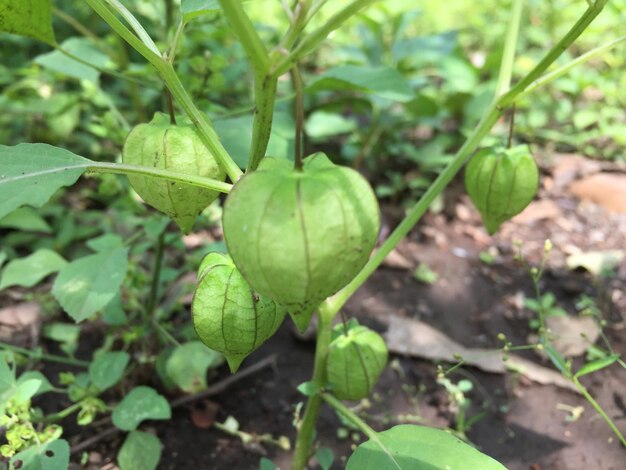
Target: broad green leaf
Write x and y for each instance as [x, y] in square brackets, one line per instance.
[140, 451]
[140, 404]
[323, 124]
[383, 81]
[53, 455]
[31, 18]
[188, 364]
[81, 48]
[26, 389]
[31, 173]
[87, 285]
[44, 384]
[419, 448]
[108, 368]
[26, 219]
[596, 365]
[27, 272]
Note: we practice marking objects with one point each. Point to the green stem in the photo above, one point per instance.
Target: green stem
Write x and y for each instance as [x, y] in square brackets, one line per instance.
[46, 357]
[296, 79]
[508, 57]
[306, 428]
[177, 177]
[247, 35]
[359, 423]
[156, 276]
[311, 41]
[484, 127]
[298, 23]
[62, 414]
[165, 69]
[135, 24]
[599, 410]
[264, 100]
[557, 73]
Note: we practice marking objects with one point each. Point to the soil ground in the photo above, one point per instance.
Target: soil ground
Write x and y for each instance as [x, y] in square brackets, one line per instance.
[520, 423]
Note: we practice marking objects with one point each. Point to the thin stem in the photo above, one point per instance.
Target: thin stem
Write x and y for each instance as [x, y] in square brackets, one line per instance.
[170, 107]
[296, 80]
[483, 128]
[559, 72]
[599, 409]
[359, 423]
[171, 54]
[166, 334]
[78, 26]
[156, 276]
[510, 44]
[135, 24]
[311, 41]
[46, 357]
[247, 35]
[299, 20]
[62, 414]
[511, 126]
[306, 427]
[177, 177]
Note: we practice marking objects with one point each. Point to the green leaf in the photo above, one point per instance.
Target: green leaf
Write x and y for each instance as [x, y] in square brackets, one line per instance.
[322, 124]
[309, 388]
[84, 50]
[188, 364]
[27, 272]
[385, 82]
[140, 451]
[26, 219]
[53, 455]
[106, 242]
[31, 18]
[419, 448]
[108, 368]
[31, 173]
[266, 464]
[140, 404]
[87, 285]
[191, 9]
[44, 384]
[596, 365]
[424, 274]
[325, 457]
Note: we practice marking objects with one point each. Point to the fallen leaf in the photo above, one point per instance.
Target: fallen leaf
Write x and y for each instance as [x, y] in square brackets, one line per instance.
[572, 335]
[397, 260]
[596, 262]
[536, 211]
[604, 189]
[203, 414]
[414, 338]
[20, 324]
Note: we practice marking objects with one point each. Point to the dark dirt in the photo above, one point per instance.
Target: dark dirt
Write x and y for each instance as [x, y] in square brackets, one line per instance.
[471, 302]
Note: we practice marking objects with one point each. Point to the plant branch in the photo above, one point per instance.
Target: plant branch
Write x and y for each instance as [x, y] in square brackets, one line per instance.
[43, 356]
[311, 41]
[483, 128]
[306, 427]
[359, 423]
[247, 35]
[135, 24]
[296, 79]
[510, 44]
[264, 102]
[175, 176]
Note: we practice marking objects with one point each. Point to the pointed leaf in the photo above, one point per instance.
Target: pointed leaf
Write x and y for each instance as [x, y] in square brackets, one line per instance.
[596, 365]
[31, 173]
